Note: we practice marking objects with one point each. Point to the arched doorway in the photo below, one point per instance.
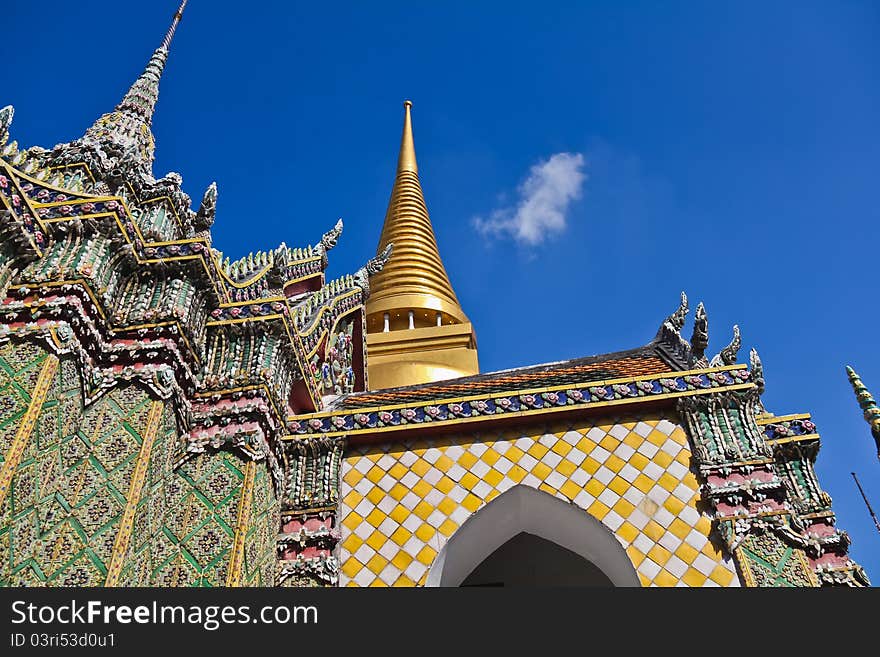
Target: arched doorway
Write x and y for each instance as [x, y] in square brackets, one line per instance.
[526, 537]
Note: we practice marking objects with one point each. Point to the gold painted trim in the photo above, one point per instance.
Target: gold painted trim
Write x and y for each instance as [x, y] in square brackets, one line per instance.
[28, 421]
[242, 524]
[784, 418]
[793, 439]
[135, 489]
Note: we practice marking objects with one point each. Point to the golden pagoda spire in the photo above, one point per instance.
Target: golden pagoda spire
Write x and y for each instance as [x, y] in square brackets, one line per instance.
[866, 401]
[413, 292]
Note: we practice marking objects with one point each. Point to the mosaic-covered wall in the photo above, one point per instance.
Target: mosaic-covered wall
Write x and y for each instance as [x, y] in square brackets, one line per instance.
[402, 501]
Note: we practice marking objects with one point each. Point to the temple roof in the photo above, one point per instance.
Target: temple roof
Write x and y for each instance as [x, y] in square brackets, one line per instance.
[415, 277]
[634, 362]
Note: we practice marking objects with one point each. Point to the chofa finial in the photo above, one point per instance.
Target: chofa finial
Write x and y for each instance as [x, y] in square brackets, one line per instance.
[727, 356]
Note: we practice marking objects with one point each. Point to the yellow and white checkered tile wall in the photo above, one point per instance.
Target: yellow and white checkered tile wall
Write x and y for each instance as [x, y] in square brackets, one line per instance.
[400, 502]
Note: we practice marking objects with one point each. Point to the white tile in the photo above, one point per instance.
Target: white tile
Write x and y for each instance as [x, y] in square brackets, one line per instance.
[364, 553]
[408, 458]
[503, 465]
[596, 434]
[624, 451]
[634, 496]
[431, 455]
[389, 550]
[643, 429]
[604, 475]
[648, 449]
[638, 519]
[689, 515]
[666, 426]
[410, 500]
[663, 517]
[456, 472]
[387, 504]
[524, 443]
[608, 497]
[629, 473]
[505, 485]
[410, 479]
[643, 543]
[477, 449]
[551, 459]
[600, 454]
[388, 526]
[480, 468]
[363, 465]
[457, 494]
[576, 456]
[670, 541]
[412, 522]
[432, 476]
[684, 493]
[387, 482]
[460, 515]
[434, 497]
[386, 461]
[612, 520]
[555, 479]
[676, 566]
[548, 440]
[658, 494]
[583, 499]
[482, 489]
[415, 570]
[653, 471]
[364, 530]
[389, 574]
[436, 518]
[696, 540]
[571, 437]
[580, 477]
[502, 446]
[619, 431]
[364, 577]
[671, 447]
[413, 545]
[454, 452]
[704, 564]
[677, 470]
[363, 486]
[527, 462]
[364, 507]
[531, 480]
[649, 569]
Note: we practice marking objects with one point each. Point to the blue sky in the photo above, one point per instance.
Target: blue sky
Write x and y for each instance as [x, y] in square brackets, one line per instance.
[727, 149]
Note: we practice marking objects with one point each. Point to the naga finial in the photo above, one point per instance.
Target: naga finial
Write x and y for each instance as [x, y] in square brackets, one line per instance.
[727, 356]
[677, 318]
[6, 114]
[208, 208]
[331, 237]
[374, 266]
[700, 337]
[757, 370]
[869, 407]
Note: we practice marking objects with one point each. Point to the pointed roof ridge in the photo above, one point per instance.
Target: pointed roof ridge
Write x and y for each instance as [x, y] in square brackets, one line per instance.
[128, 126]
[415, 277]
[870, 409]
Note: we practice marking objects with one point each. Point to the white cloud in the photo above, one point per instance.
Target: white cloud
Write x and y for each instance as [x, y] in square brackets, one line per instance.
[544, 199]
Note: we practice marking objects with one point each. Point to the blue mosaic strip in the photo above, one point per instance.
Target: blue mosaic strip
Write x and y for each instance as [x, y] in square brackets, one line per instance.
[789, 428]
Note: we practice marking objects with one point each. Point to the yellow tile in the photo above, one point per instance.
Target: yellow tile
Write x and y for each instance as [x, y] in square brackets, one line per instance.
[351, 567]
[398, 491]
[598, 510]
[426, 555]
[376, 563]
[690, 481]
[447, 506]
[570, 489]
[609, 442]
[514, 454]
[694, 577]
[656, 437]
[704, 525]
[720, 575]
[628, 425]
[375, 473]
[633, 440]
[686, 553]
[352, 520]
[627, 532]
[623, 508]
[375, 517]
[402, 560]
[401, 535]
[619, 485]
[467, 460]
[353, 542]
[547, 488]
[590, 465]
[639, 461]
[352, 477]
[586, 445]
[679, 527]
[493, 477]
[635, 555]
[420, 467]
[561, 447]
[674, 505]
[375, 494]
[668, 482]
[653, 530]
[423, 509]
[421, 488]
[471, 502]
[376, 539]
[665, 578]
[399, 514]
[447, 527]
[397, 471]
[402, 581]
[468, 481]
[643, 483]
[374, 456]
[352, 584]
[684, 457]
[679, 436]
[516, 474]
[445, 484]
[537, 450]
[443, 463]
[594, 487]
[490, 457]
[662, 459]
[541, 471]
[565, 468]
[659, 554]
[425, 532]
[352, 499]
[643, 579]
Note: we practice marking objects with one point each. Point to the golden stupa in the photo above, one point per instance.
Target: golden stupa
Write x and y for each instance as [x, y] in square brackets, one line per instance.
[417, 331]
